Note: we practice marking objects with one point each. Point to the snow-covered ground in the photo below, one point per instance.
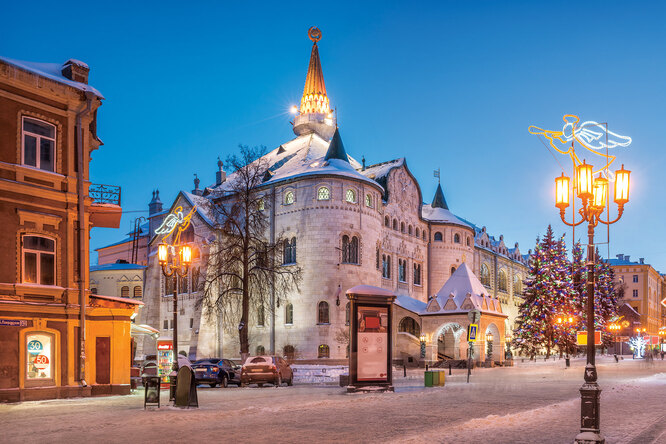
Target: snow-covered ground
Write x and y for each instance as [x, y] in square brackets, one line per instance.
[529, 403]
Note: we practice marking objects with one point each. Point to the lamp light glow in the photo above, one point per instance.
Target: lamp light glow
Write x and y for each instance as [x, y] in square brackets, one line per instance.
[562, 192]
[162, 253]
[622, 186]
[584, 180]
[186, 254]
[600, 191]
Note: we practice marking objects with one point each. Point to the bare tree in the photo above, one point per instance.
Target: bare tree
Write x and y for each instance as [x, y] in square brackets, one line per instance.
[245, 268]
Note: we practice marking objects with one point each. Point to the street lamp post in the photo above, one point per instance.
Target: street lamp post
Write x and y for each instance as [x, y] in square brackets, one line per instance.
[175, 260]
[568, 320]
[615, 330]
[593, 193]
[489, 349]
[423, 346]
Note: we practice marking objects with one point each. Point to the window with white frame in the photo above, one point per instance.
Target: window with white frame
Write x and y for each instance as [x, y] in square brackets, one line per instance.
[323, 193]
[289, 314]
[38, 260]
[39, 140]
[289, 198]
[350, 196]
[634, 293]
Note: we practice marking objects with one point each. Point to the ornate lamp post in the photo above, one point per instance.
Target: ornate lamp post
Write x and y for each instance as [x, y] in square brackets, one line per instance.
[489, 348]
[615, 330]
[592, 193]
[568, 320]
[175, 260]
[423, 345]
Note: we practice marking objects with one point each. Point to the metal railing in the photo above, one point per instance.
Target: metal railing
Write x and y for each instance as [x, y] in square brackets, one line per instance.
[104, 194]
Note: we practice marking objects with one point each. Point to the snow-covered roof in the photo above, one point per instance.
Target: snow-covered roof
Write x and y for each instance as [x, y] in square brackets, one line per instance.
[463, 292]
[411, 304]
[441, 215]
[301, 157]
[367, 290]
[116, 266]
[52, 71]
[381, 170]
[204, 207]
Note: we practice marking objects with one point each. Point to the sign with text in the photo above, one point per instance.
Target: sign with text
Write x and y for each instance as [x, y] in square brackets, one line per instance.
[472, 330]
[13, 323]
[581, 338]
[372, 342]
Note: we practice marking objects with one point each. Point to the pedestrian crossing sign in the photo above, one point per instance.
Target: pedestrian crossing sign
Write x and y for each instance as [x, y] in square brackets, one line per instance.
[471, 332]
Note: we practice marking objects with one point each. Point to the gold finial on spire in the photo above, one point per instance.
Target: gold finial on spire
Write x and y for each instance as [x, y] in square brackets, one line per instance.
[314, 33]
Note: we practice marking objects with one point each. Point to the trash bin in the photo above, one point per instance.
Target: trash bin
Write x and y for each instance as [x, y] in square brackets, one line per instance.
[435, 378]
[428, 378]
[152, 391]
[442, 377]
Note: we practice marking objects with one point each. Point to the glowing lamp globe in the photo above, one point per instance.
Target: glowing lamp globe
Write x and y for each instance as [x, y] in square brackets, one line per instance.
[489, 337]
[584, 173]
[562, 192]
[622, 186]
[162, 253]
[186, 254]
[600, 191]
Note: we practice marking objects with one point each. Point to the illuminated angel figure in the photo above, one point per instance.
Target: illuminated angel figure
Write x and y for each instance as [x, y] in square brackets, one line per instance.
[593, 136]
[173, 220]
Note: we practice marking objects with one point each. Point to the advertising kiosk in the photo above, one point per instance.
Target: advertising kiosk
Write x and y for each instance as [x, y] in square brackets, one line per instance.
[370, 339]
[164, 360]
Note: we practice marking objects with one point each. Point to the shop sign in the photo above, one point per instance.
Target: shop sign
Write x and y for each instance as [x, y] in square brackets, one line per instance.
[13, 323]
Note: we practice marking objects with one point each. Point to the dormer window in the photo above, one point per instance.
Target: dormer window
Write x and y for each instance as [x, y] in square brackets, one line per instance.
[38, 144]
[323, 193]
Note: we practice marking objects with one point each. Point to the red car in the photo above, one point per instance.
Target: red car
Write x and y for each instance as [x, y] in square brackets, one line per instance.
[262, 369]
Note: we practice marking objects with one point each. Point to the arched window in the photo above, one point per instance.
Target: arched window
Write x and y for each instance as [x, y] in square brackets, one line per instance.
[349, 250]
[261, 205]
[350, 196]
[468, 241]
[423, 235]
[323, 193]
[453, 270]
[386, 266]
[322, 313]
[39, 140]
[38, 260]
[502, 284]
[417, 274]
[438, 236]
[261, 350]
[395, 224]
[418, 232]
[402, 227]
[183, 285]
[347, 312]
[289, 251]
[187, 236]
[409, 230]
[517, 287]
[138, 292]
[484, 275]
[289, 198]
[402, 270]
[260, 316]
[124, 291]
[387, 221]
[409, 325]
[368, 200]
[195, 279]
[456, 238]
[289, 352]
[289, 314]
[377, 258]
[323, 351]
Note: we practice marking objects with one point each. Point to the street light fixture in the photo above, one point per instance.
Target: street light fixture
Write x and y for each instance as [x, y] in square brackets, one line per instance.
[489, 346]
[423, 345]
[568, 320]
[175, 261]
[615, 330]
[593, 193]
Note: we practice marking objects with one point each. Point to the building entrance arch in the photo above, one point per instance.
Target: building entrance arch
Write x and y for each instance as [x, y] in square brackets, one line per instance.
[448, 341]
[495, 346]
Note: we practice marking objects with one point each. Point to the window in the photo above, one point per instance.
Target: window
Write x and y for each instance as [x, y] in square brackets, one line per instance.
[402, 266]
[195, 279]
[409, 325]
[169, 284]
[456, 238]
[187, 236]
[350, 196]
[124, 291]
[166, 324]
[289, 251]
[191, 322]
[349, 250]
[423, 235]
[171, 324]
[289, 352]
[387, 221]
[261, 350]
[322, 313]
[517, 290]
[368, 200]
[40, 357]
[453, 270]
[438, 237]
[260, 316]
[635, 279]
[38, 144]
[323, 193]
[418, 232]
[402, 227]
[289, 314]
[183, 285]
[323, 351]
[417, 274]
[261, 205]
[377, 258]
[347, 312]
[38, 260]
[634, 293]
[502, 284]
[485, 275]
[409, 230]
[468, 241]
[395, 224]
[289, 198]
[138, 292]
[386, 266]
[93, 290]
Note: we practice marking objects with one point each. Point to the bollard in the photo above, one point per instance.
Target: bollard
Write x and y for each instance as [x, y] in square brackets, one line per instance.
[449, 367]
[426, 367]
[404, 370]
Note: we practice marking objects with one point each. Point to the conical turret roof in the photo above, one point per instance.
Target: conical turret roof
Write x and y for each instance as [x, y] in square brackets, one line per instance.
[336, 150]
[439, 201]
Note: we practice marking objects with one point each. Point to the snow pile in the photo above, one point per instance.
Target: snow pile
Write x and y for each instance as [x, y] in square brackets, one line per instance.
[318, 374]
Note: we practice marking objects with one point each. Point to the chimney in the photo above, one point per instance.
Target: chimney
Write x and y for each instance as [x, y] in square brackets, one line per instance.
[620, 256]
[196, 189]
[641, 260]
[363, 160]
[75, 70]
[154, 207]
[220, 176]
[626, 258]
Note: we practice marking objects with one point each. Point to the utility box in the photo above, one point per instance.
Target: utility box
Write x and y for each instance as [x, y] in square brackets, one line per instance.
[370, 326]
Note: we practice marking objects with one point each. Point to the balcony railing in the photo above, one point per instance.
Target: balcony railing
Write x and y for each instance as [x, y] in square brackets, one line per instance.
[104, 194]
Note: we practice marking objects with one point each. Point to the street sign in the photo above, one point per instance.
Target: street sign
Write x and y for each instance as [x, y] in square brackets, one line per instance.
[472, 329]
[581, 338]
[41, 362]
[13, 323]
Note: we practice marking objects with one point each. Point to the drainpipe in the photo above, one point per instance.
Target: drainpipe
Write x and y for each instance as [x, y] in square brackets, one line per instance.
[80, 185]
[272, 240]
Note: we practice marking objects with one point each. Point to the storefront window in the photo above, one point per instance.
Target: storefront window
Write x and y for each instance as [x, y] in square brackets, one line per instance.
[39, 353]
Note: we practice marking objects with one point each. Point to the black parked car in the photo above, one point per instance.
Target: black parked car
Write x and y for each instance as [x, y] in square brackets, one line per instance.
[214, 371]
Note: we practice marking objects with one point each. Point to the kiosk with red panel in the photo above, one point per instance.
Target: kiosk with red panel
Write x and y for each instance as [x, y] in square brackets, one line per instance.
[370, 338]
[164, 360]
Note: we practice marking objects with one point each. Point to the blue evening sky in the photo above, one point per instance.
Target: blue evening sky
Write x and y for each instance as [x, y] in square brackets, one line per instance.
[447, 84]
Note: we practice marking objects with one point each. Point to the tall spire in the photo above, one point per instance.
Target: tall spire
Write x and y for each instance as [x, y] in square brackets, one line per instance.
[439, 201]
[315, 114]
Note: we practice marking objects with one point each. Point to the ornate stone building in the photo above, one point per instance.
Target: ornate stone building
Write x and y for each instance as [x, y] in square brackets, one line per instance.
[346, 224]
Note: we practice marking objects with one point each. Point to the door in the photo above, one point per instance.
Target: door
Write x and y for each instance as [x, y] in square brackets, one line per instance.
[103, 360]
